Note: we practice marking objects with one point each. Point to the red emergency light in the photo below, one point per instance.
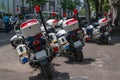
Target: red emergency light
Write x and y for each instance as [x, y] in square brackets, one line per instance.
[64, 15]
[53, 14]
[75, 11]
[37, 8]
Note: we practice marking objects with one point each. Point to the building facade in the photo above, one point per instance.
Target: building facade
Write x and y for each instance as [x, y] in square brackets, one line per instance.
[21, 6]
[13, 6]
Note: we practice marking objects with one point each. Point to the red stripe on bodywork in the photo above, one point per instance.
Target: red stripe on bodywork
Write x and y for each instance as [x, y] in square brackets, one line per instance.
[104, 20]
[71, 21]
[27, 23]
[55, 21]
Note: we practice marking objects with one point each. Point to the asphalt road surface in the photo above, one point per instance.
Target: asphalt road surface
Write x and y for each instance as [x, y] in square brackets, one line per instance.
[101, 62]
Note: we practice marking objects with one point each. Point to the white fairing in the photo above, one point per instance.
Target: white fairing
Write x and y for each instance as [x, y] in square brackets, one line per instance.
[60, 22]
[52, 22]
[42, 28]
[53, 35]
[62, 40]
[60, 33]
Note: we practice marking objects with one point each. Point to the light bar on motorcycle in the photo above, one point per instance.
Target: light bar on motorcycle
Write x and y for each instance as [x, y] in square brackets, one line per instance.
[64, 15]
[37, 8]
[53, 14]
[75, 11]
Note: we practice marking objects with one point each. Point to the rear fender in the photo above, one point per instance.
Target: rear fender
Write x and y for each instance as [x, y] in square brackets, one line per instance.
[44, 61]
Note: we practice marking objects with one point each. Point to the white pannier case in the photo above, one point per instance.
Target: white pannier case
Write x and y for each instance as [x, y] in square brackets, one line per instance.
[103, 22]
[70, 24]
[30, 28]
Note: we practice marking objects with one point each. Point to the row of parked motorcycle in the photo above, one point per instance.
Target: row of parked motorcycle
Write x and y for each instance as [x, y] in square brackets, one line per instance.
[40, 44]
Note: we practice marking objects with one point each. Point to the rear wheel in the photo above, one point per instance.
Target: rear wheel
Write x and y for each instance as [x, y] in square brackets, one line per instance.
[80, 55]
[46, 70]
[77, 54]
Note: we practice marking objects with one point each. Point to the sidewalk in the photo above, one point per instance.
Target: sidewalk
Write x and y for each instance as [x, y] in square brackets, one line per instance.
[5, 36]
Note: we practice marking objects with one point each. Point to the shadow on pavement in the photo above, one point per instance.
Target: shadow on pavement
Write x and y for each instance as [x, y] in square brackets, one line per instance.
[84, 62]
[55, 64]
[56, 75]
[87, 61]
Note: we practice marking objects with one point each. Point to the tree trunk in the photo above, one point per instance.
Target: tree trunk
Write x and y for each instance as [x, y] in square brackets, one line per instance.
[96, 8]
[100, 6]
[88, 13]
[23, 7]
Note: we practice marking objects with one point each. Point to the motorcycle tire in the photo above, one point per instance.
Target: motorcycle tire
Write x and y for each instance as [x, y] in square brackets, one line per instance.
[104, 40]
[15, 43]
[46, 70]
[77, 54]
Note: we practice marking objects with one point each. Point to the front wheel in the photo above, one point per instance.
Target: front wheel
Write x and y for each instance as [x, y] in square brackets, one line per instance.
[15, 43]
[46, 70]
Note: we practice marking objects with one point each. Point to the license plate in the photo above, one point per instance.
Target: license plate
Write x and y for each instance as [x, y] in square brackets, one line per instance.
[106, 33]
[77, 43]
[41, 54]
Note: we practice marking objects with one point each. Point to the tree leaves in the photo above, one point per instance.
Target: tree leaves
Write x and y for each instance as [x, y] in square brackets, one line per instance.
[39, 2]
[70, 4]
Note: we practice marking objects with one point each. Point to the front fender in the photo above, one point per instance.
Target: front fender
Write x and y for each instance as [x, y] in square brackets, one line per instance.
[15, 37]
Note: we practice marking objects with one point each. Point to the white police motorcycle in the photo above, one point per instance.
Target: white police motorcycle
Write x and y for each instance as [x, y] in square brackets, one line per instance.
[36, 50]
[100, 33]
[70, 38]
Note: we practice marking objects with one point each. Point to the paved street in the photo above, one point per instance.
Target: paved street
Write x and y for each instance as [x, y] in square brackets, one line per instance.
[101, 62]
